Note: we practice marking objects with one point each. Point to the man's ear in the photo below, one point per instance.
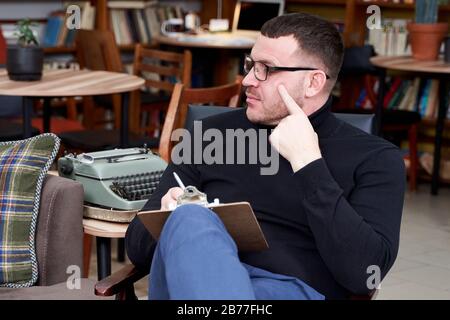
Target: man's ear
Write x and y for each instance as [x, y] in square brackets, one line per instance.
[315, 82]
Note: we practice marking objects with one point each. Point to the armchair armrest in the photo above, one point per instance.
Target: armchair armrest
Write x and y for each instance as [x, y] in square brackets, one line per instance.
[120, 283]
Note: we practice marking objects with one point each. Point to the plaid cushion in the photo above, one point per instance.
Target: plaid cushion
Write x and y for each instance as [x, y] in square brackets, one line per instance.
[23, 166]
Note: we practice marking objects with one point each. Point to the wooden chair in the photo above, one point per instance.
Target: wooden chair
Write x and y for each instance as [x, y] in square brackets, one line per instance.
[161, 69]
[225, 95]
[97, 50]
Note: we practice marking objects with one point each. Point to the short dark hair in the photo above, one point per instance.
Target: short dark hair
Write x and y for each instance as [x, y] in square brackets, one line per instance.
[316, 36]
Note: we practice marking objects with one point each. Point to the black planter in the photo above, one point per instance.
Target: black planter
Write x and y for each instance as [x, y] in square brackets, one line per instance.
[24, 63]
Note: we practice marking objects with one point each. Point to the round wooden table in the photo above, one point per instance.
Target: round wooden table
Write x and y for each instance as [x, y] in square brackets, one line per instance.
[69, 83]
[436, 69]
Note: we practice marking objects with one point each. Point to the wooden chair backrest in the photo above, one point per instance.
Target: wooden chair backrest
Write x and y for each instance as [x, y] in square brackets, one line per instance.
[225, 95]
[169, 67]
[97, 50]
[161, 70]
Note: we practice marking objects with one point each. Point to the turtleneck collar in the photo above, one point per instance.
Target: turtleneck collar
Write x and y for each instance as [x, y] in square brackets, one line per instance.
[320, 118]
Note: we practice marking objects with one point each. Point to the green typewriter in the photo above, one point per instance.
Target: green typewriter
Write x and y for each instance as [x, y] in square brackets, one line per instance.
[120, 178]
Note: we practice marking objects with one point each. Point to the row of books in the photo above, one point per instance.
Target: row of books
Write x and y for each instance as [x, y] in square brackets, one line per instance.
[391, 39]
[418, 94]
[392, 1]
[57, 32]
[139, 21]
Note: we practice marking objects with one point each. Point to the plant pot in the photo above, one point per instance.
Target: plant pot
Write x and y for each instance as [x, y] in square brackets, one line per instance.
[24, 63]
[426, 39]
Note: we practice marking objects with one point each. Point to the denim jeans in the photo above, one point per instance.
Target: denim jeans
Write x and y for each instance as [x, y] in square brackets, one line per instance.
[196, 258]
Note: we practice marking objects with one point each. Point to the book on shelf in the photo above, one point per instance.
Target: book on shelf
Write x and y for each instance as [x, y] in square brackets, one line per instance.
[53, 29]
[139, 21]
[391, 39]
[88, 12]
[419, 94]
[390, 1]
[131, 4]
[57, 33]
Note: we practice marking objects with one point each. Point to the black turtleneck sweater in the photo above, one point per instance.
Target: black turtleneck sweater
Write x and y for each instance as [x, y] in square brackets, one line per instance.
[325, 224]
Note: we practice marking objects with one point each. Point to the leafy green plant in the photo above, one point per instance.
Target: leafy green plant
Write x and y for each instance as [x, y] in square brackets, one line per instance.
[25, 33]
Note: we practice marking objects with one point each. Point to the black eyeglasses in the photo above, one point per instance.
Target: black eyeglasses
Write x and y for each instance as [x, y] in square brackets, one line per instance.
[261, 70]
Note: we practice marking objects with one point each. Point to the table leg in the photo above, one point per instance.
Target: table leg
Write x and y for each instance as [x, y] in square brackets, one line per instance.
[380, 100]
[121, 249]
[27, 109]
[124, 121]
[47, 114]
[103, 257]
[442, 112]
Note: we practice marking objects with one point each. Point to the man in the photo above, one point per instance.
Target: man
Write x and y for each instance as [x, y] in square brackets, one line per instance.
[331, 213]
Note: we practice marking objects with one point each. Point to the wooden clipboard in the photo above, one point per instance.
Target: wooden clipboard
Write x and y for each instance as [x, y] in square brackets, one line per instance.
[238, 218]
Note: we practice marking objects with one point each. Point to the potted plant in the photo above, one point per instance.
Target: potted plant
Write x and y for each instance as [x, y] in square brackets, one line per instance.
[24, 61]
[426, 34]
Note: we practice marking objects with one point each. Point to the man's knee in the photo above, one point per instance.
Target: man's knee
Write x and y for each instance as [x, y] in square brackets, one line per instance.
[188, 219]
[193, 214]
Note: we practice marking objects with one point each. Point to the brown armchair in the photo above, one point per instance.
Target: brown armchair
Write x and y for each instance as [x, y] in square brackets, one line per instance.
[59, 244]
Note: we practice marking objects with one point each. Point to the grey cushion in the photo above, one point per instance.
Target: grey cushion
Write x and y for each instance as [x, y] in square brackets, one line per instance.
[201, 112]
[363, 122]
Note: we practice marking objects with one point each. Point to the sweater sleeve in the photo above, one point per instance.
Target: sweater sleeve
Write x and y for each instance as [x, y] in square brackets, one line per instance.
[363, 230]
[139, 244]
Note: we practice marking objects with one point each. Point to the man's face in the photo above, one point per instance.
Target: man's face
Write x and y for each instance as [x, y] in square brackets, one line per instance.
[264, 103]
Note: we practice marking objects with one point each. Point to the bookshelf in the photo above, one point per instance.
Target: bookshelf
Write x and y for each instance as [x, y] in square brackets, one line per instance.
[389, 10]
[40, 12]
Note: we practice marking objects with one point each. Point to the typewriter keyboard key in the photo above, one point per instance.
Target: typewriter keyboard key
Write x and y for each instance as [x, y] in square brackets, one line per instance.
[138, 186]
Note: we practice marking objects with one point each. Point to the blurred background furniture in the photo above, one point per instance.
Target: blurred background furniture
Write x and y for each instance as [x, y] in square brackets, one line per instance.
[358, 75]
[97, 50]
[63, 83]
[161, 70]
[11, 111]
[437, 69]
[217, 59]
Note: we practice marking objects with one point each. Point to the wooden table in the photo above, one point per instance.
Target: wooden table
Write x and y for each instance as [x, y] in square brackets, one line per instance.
[436, 69]
[222, 46]
[69, 83]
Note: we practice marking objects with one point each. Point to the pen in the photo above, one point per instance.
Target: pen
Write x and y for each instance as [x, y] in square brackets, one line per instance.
[180, 183]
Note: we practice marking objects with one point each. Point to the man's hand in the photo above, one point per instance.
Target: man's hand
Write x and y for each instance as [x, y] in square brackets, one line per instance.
[169, 200]
[294, 137]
